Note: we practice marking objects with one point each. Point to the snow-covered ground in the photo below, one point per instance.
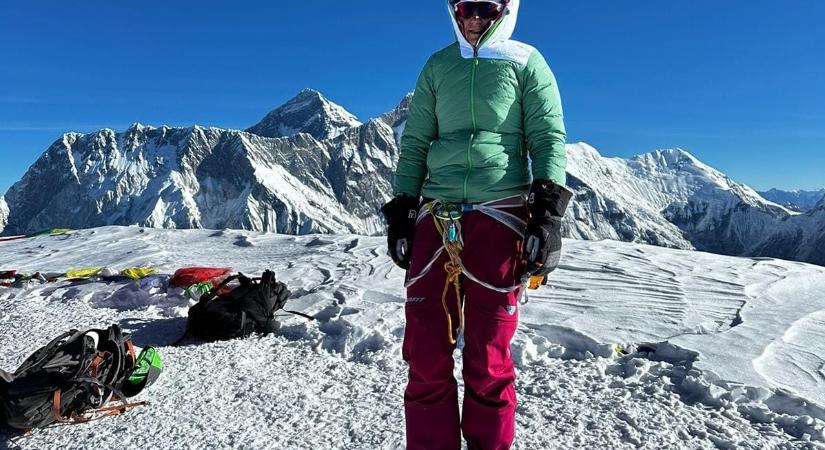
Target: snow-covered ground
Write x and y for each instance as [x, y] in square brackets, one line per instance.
[629, 346]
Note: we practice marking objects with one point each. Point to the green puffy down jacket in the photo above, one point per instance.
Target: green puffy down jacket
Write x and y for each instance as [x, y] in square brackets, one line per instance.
[476, 115]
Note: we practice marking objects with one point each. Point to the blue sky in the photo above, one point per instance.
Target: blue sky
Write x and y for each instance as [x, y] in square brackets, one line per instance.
[739, 83]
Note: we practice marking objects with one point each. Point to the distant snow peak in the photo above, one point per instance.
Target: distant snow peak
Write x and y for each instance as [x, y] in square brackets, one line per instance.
[399, 113]
[397, 118]
[797, 200]
[308, 112]
[137, 126]
[678, 160]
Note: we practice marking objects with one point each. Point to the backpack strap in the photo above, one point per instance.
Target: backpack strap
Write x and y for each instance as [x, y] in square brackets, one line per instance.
[267, 279]
[98, 414]
[306, 316]
[130, 347]
[58, 416]
[112, 347]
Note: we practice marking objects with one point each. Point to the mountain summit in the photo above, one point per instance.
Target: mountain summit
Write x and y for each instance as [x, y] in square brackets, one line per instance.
[309, 112]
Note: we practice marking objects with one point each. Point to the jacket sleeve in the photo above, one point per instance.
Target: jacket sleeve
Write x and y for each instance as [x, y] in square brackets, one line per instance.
[544, 121]
[421, 129]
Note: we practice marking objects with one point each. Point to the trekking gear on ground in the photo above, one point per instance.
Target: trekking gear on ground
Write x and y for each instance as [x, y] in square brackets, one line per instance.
[547, 203]
[23, 280]
[487, 10]
[197, 290]
[8, 274]
[14, 279]
[187, 276]
[51, 232]
[148, 367]
[83, 273]
[136, 273]
[247, 308]
[401, 213]
[70, 380]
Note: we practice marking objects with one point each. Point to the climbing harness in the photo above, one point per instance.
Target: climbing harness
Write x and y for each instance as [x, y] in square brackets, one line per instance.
[446, 217]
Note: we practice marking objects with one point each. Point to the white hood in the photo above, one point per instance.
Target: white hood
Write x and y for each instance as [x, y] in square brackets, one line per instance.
[498, 45]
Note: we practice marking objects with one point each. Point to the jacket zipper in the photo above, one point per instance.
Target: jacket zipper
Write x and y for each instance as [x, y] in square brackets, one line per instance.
[473, 117]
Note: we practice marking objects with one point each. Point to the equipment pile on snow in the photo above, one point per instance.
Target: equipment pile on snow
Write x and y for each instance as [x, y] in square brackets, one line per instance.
[231, 311]
[74, 377]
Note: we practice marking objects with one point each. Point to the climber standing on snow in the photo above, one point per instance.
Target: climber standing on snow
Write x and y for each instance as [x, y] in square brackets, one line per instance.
[479, 197]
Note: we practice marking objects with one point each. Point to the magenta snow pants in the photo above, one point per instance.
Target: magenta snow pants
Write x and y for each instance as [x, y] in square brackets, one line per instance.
[492, 253]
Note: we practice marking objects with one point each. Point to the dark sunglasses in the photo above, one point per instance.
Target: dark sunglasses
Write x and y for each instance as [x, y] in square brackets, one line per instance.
[483, 10]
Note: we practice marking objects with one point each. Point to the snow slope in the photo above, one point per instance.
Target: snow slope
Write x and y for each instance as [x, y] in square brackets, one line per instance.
[716, 352]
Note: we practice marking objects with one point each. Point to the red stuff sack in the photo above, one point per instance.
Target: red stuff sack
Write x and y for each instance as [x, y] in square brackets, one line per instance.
[187, 276]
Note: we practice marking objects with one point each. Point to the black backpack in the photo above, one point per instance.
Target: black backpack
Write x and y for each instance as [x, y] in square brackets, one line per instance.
[247, 308]
[73, 376]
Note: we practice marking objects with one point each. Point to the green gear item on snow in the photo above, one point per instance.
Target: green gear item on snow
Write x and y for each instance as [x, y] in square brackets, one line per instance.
[148, 367]
[496, 105]
[198, 289]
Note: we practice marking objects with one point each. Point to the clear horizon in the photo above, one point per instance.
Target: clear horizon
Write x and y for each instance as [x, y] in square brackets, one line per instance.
[738, 85]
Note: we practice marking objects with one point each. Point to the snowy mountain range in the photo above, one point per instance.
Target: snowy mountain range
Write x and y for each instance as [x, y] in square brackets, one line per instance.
[311, 167]
[670, 198]
[328, 180]
[795, 200]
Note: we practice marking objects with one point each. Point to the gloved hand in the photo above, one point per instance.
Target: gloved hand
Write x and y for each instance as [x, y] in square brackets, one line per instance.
[401, 213]
[542, 243]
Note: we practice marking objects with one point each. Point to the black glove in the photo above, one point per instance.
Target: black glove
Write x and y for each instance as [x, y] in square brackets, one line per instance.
[401, 213]
[542, 242]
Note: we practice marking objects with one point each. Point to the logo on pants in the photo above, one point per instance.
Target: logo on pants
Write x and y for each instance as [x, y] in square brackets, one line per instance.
[511, 309]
